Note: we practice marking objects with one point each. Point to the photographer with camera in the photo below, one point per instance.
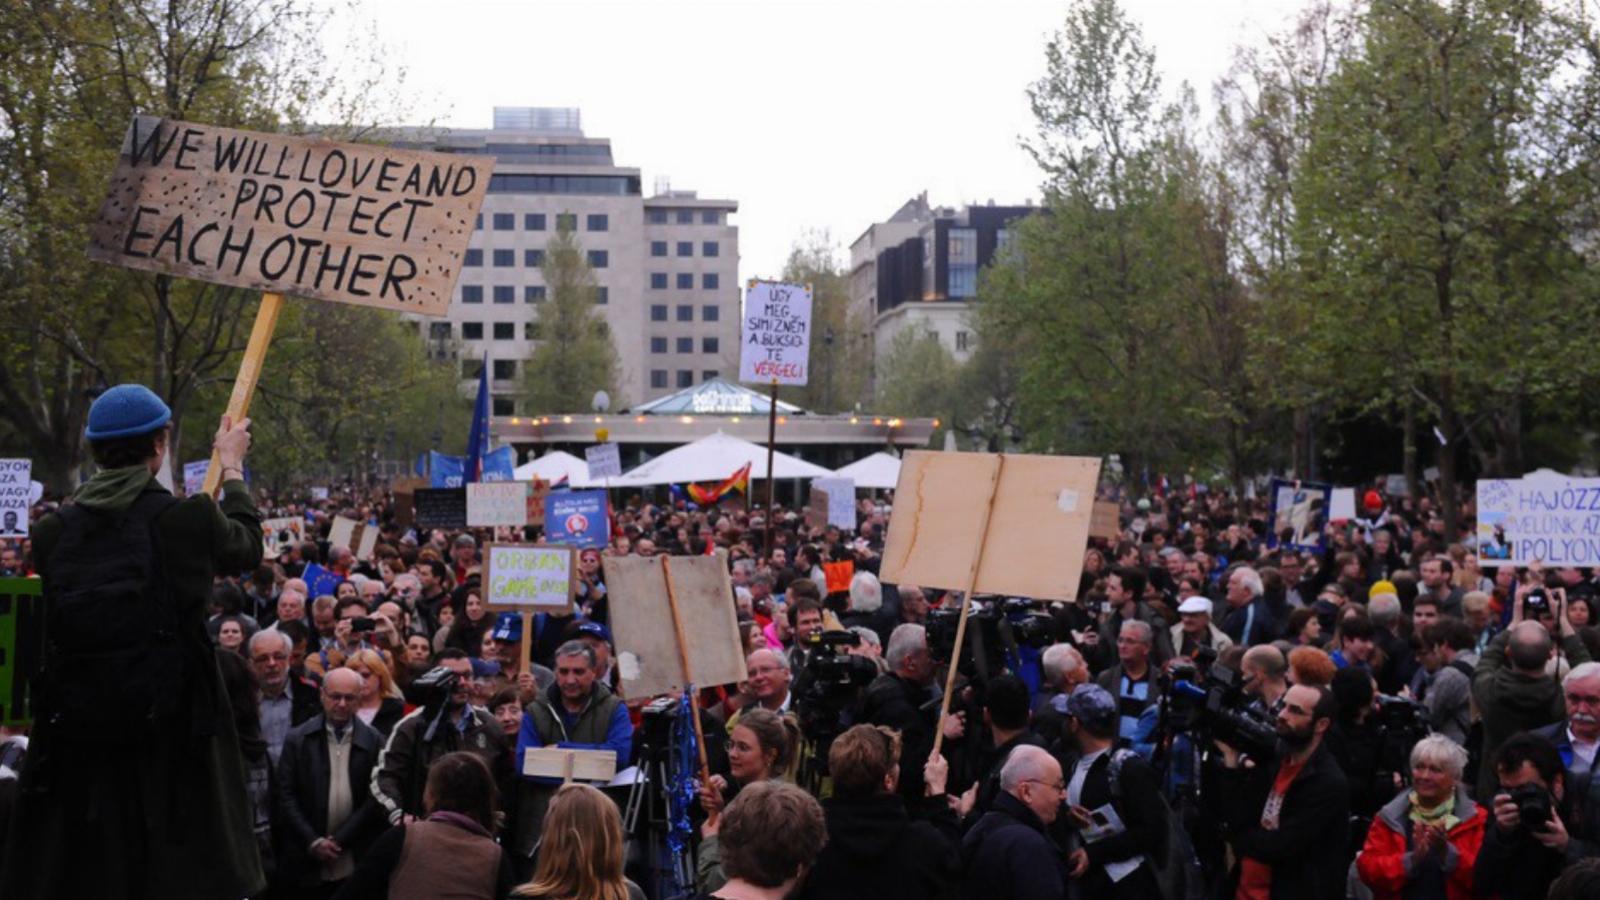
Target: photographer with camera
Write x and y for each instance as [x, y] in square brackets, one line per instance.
[1287, 820]
[907, 700]
[1424, 843]
[445, 723]
[1530, 838]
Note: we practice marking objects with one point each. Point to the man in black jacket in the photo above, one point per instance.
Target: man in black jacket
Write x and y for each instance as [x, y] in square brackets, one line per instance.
[1520, 860]
[905, 700]
[325, 812]
[1114, 802]
[876, 850]
[1287, 820]
[1008, 855]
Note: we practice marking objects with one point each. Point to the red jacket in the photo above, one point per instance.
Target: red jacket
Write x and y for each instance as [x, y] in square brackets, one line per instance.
[1384, 862]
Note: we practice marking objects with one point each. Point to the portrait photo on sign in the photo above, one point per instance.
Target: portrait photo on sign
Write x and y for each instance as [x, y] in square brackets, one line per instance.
[1299, 512]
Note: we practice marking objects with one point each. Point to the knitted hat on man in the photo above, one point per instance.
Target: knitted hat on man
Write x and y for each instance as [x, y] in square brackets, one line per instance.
[125, 411]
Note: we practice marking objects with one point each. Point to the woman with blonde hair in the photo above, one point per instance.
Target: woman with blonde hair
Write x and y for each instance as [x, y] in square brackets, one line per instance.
[580, 850]
[382, 704]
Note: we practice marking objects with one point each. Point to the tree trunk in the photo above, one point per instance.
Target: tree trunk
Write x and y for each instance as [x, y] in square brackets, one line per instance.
[1408, 451]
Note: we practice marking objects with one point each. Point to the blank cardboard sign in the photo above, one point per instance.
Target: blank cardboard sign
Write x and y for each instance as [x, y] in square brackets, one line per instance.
[641, 622]
[1037, 531]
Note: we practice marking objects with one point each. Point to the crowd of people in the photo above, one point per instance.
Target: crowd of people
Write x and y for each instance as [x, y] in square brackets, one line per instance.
[1215, 713]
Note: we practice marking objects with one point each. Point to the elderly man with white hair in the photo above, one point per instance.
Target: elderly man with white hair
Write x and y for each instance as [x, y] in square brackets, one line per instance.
[866, 606]
[1425, 842]
[1249, 620]
[1063, 668]
[1195, 629]
[1577, 737]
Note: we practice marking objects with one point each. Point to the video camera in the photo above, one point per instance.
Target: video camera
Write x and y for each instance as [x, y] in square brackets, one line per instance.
[999, 625]
[829, 682]
[1401, 723]
[1219, 709]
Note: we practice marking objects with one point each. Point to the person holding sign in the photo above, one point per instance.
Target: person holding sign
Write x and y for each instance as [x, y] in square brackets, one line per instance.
[134, 785]
[577, 713]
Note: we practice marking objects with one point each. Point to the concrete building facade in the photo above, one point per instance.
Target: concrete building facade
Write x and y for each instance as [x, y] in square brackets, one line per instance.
[667, 265]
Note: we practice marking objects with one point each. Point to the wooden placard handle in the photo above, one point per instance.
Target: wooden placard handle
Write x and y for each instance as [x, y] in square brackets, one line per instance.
[244, 386]
[966, 604]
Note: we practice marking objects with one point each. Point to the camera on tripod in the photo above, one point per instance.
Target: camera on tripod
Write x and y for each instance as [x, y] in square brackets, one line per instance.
[999, 625]
[830, 681]
[1219, 709]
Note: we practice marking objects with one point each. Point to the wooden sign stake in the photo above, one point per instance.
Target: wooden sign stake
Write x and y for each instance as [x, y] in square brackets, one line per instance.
[772, 437]
[244, 387]
[525, 650]
[688, 671]
[966, 604]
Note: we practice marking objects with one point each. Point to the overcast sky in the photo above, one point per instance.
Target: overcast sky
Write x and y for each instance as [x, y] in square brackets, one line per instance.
[812, 114]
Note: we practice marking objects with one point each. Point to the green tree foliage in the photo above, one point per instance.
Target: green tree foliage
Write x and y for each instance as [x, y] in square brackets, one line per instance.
[75, 74]
[841, 344]
[918, 376]
[575, 356]
[1443, 215]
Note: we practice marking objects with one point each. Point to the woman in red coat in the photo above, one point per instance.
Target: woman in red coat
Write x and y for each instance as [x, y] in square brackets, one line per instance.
[1423, 844]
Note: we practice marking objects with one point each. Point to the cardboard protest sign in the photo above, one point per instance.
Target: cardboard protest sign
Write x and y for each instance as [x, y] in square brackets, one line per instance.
[1038, 525]
[1299, 513]
[834, 501]
[405, 499]
[531, 576]
[577, 518]
[350, 223]
[319, 493]
[1543, 516]
[21, 647]
[343, 532]
[194, 476]
[775, 333]
[494, 503]
[16, 484]
[641, 620]
[1105, 520]
[441, 507]
[605, 461]
[278, 535]
[1342, 505]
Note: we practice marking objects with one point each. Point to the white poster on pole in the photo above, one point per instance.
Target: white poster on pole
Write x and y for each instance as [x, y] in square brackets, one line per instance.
[16, 483]
[841, 504]
[1543, 516]
[194, 476]
[775, 333]
[605, 461]
[1342, 505]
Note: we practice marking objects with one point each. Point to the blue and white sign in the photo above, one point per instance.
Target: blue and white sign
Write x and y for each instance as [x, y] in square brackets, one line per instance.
[194, 476]
[1541, 517]
[448, 471]
[577, 518]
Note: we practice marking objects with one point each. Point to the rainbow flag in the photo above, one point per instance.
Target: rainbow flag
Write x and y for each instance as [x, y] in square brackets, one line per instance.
[739, 481]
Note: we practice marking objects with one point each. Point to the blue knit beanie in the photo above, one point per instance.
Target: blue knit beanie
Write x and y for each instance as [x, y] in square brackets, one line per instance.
[124, 411]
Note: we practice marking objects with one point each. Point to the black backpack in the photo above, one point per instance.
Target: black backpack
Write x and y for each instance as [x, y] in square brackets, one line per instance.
[113, 666]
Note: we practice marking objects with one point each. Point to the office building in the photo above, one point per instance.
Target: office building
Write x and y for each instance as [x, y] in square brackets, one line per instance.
[667, 264]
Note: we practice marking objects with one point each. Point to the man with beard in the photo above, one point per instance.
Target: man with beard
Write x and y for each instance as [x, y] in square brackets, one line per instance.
[1286, 820]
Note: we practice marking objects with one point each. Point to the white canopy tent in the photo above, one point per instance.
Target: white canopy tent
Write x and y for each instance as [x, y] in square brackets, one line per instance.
[880, 470]
[714, 458]
[553, 466]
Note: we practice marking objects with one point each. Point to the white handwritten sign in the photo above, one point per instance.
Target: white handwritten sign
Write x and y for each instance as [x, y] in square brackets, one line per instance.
[1544, 516]
[775, 334]
[16, 483]
[605, 460]
[495, 503]
[532, 576]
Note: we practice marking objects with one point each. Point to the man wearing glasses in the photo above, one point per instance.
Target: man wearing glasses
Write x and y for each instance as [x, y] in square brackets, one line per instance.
[1008, 855]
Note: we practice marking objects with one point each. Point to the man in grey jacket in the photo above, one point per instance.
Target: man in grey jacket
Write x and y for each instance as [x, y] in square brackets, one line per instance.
[1449, 661]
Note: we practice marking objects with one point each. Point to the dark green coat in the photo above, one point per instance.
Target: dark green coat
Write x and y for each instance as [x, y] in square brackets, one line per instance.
[169, 817]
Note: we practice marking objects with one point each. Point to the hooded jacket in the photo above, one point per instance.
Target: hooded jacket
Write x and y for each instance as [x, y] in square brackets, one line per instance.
[1388, 866]
[1008, 856]
[876, 851]
[1510, 701]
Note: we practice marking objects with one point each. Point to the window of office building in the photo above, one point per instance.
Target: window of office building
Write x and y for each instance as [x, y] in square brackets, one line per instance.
[710, 217]
[658, 248]
[710, 313]
[658, 345]
[686, 345]
[708, 375]
[685, 217]
[686, 248]
[505, 406]
[474, 257]
[658, 281]
[533, 222]
[602, 295]
[658, 378]
[439, 331]
[505, 293]
[533, 259]
[505, 222]
[685, 280]
[710, 281]
[709, 248]
[477, 223]
[963, 262]
[505, 258]
[708, 345]
[685, 313]
[472, 331]
[597, 222]
[599, 259]
[472, 293]
[656, 216]
[961, 340]
[505, 331]
[658, 312]
[569, 221]
[533, 293]
[505, 369]
[530, 331]
[471, 368]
